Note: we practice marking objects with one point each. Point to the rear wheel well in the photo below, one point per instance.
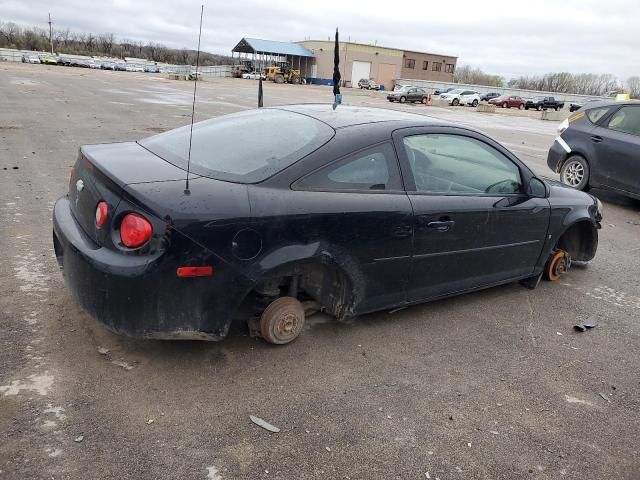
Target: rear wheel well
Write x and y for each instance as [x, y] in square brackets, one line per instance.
[314, 281]
[580, 240]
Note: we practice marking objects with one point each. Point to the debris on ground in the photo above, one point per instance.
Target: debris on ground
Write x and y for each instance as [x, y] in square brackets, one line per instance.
[558, 333]
[150, 421]
[123, 364]
[604, 397]
[261, 423]
[583, 326]
[79, 438]
[103, 350]
[328, 449]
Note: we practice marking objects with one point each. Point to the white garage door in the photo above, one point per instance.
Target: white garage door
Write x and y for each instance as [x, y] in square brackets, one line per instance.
[358, 71]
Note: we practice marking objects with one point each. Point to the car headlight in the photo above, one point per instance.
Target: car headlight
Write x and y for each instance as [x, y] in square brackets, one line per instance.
[600, 208]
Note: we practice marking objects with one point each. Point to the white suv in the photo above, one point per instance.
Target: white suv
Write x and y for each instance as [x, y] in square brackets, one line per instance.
[461, 97]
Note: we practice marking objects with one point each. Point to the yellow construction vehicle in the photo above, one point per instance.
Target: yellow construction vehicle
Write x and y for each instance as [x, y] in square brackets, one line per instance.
[282, 72]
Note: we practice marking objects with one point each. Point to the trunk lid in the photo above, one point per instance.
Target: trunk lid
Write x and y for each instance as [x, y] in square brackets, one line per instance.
[100, 174]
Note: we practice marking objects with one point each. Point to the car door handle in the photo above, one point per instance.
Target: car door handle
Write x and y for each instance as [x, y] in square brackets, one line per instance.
[441, 226]
[596, 139]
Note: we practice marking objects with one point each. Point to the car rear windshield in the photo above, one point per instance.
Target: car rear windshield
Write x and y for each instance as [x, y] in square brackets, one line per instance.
[245, 147]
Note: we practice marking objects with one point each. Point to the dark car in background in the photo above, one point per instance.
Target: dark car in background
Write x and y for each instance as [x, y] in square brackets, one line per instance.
[509, 101]
[409, 94]
[573, 106]
[599, 146]
[368, 84]
[440, 91]
[543, 103]
[488, 96]
[304, 208]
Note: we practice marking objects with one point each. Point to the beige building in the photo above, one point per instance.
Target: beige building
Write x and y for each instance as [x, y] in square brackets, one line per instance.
[428, 66]
[381, 64]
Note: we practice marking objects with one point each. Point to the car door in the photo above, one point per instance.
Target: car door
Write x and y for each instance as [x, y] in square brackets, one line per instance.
[617, 147]
[473, 225]
[358, 206]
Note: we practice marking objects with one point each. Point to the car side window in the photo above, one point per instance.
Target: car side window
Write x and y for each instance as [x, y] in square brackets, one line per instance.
[368, 170]
[626, 120]
[596, 114]
[457, 165]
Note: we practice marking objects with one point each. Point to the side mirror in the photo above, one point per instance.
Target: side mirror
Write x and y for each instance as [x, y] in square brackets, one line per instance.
[537, 188]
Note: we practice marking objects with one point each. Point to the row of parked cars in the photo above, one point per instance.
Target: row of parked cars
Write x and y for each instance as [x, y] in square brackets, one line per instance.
[459, 96]
[48, 59]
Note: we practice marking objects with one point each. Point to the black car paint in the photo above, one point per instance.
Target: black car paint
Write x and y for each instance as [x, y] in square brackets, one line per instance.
[488, 96]
[376, 239]
[613, 158]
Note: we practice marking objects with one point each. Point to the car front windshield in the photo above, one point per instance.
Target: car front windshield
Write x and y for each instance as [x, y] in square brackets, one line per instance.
[456, 91]
[245, 147]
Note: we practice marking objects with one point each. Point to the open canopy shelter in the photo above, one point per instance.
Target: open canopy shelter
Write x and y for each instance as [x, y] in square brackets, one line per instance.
[263, 53]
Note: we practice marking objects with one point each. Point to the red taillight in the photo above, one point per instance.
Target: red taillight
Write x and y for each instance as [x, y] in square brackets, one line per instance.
[102, 212]
[135, 230]
[195, 271]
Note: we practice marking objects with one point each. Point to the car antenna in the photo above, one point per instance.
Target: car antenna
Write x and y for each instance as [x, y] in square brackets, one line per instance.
[193, 105]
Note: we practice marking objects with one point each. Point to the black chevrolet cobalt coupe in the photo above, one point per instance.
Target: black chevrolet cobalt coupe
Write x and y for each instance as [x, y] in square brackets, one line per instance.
[301, 208]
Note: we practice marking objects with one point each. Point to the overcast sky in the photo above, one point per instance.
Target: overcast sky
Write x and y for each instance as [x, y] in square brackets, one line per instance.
[509, 38]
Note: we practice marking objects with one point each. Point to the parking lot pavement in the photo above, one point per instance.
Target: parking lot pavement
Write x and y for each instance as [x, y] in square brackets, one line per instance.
[490, 385]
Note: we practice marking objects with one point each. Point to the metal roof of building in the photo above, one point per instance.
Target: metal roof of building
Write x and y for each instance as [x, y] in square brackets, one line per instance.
[257, 45]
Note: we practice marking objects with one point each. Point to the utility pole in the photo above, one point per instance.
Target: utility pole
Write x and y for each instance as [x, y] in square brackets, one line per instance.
[50, 35]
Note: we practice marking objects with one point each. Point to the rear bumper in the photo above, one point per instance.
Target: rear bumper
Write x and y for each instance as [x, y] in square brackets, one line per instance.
[140, 295]
[557, 154]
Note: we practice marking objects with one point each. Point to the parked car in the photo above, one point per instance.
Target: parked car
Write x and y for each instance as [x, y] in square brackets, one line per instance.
[108, 66]
[400, 86]
[543, 103]
[254, 75]
[440, 91]
[509, 101]
[573, 106]
[30, 59]
[48, 60]
[409, 94]
[437, 210]
[64, 61]
[151, 69]
[488, 96]
[121, 67]
[368, 84]
[81, 62]
[132, 67]
[195, 75]
[460, 96]
[95, 64]
[599, 146]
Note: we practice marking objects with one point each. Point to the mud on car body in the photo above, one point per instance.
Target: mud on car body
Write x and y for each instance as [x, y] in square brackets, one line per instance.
[295, 209]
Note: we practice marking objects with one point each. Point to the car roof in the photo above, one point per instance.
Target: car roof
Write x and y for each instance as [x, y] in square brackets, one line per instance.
[346, 116]
[608, 103]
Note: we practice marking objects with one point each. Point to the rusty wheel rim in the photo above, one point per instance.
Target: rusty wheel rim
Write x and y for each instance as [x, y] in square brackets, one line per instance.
[282, 321]
[557, 266]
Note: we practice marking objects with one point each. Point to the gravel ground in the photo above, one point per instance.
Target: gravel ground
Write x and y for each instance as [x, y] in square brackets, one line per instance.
[491, 385]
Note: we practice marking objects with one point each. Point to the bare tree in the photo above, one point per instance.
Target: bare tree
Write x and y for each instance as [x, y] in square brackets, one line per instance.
[10, 31]
[475, 76]
[633, 86]
[106, 41]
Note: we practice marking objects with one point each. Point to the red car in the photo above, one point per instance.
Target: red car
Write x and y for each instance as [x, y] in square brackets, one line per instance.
[510, 101]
